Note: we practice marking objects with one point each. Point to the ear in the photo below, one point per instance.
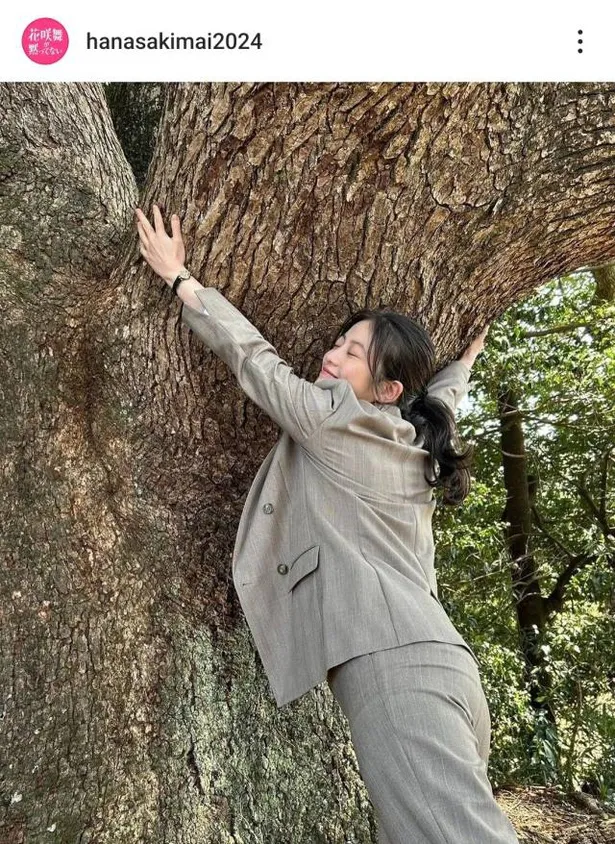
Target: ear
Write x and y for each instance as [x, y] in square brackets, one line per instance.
[390, 392]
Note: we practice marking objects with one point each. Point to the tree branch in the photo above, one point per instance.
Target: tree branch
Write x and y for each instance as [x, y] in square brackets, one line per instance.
[603, 479]
[554, 601]
[559, 329]
[576, 562]
[556, 542]
[585, 495]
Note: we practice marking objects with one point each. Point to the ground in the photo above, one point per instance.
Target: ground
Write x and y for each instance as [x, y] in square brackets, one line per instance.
[548, 816]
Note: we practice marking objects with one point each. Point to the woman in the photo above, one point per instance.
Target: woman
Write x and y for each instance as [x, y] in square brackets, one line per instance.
[333, 560]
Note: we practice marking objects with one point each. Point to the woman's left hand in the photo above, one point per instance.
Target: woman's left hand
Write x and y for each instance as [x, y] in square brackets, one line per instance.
[478, 344]
[164, 254]
[475, 348]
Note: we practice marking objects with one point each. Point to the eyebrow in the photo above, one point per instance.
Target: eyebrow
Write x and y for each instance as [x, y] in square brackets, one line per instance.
[355, 342]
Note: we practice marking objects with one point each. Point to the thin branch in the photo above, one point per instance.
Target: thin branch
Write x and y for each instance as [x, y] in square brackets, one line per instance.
[469, 580]
[556, 423]
[585, 495]
[559, 329]
[514, 412]
[558, 544]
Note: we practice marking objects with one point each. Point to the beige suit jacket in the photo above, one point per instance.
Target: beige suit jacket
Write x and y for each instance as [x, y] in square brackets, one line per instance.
[334, 553]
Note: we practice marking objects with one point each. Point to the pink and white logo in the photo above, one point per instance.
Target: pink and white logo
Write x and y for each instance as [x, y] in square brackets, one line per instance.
[44, 41]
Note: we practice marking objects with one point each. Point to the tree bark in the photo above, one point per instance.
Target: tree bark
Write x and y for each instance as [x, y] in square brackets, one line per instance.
[134, 705]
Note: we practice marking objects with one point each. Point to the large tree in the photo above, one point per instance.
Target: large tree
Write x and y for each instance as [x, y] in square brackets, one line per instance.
[134, 705]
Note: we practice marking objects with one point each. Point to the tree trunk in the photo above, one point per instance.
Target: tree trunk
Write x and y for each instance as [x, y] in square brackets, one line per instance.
[605, 284]
[530, 604]
[134, 705]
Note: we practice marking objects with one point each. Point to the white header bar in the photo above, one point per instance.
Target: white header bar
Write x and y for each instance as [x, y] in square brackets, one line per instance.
[318, 41]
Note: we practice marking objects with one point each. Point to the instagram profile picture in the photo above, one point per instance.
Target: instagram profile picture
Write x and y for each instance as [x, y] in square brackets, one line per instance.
[45, 41]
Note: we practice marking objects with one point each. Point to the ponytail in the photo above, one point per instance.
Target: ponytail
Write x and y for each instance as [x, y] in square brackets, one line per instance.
[401, 350]
[435, 422]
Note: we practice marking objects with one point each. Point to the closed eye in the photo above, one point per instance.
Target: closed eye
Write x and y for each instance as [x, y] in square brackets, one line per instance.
[350, 353]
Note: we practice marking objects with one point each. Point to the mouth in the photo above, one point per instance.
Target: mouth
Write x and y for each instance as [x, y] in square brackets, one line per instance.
[326, 373]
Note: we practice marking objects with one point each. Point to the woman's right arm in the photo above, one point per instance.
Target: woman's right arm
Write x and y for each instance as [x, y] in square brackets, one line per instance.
[295, 404]
[187, 293]
[298, 406]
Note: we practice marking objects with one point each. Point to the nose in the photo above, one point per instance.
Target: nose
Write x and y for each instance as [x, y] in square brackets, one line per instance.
[329, 361]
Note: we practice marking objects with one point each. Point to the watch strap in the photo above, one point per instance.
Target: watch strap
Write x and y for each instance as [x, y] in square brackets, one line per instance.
[183, 276]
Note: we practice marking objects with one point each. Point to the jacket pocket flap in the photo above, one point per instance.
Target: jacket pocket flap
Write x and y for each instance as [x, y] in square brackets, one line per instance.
[306, 562]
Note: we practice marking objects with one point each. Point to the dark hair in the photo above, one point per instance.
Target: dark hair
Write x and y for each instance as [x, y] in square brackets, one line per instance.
[401, 350]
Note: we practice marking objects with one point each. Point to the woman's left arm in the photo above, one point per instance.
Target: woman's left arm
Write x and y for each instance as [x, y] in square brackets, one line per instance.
[450, 384]
[474, 349]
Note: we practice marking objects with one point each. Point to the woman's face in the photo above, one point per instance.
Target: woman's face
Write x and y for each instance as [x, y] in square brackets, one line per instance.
[348, 360]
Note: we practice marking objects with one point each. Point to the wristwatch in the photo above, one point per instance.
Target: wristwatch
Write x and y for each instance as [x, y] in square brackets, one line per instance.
[184, 274]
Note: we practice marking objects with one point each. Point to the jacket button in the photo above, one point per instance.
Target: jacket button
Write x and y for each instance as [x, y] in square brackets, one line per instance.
[268, 508]
[283, 568]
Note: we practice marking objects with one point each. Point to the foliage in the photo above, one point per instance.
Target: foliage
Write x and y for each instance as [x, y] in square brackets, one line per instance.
[556, 350]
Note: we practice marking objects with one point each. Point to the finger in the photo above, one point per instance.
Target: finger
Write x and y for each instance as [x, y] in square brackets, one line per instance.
[145, 223]
[176, 227]
[141, 231]
[158, 221]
